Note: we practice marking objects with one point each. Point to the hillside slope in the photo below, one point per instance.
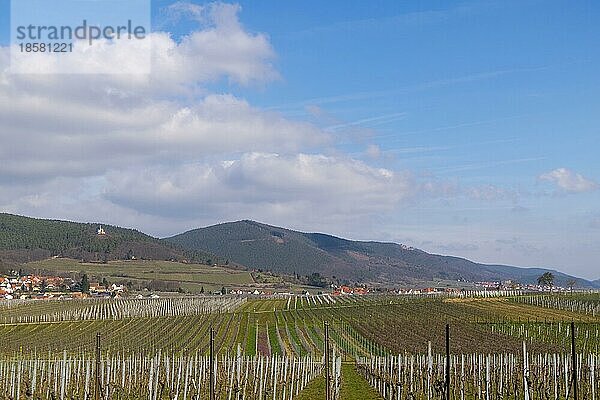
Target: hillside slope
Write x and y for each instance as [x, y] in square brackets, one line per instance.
[261, 247]
[24, 239]
[280, 250]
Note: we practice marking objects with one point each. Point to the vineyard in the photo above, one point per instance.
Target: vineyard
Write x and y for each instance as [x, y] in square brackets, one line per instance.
[273, 347]
[477, 376]
[160, 376]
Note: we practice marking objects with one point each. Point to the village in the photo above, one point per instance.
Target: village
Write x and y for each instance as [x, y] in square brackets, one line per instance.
[28, 286]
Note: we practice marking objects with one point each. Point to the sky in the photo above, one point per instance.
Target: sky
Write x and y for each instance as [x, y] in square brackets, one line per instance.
[466, 128]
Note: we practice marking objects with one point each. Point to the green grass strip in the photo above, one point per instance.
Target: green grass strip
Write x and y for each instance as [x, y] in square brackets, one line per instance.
[355, 387]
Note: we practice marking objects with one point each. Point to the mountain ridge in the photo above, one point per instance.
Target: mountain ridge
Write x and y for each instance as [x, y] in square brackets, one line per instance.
[261, 246]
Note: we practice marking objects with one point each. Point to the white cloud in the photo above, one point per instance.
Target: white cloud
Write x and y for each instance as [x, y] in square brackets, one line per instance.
[184, 9]
[82, 125]
[262, 183]
[42, 137]
[221, 48]
[569, 181]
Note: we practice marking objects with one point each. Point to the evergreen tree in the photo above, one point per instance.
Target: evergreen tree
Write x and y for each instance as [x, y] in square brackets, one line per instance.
[85, 284]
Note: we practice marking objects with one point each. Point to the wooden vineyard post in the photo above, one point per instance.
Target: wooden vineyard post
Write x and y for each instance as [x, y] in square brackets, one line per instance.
[574, 359]
[97, 385]
[212, 364]
[429, 369]
[238, 377]
[447, 361]
[525, 372]
[326, 350]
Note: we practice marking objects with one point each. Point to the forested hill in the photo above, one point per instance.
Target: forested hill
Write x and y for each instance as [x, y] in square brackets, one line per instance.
[280, 250]
[26, 239]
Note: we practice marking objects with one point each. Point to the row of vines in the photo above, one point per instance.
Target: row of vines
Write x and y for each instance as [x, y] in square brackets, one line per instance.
[158, 376]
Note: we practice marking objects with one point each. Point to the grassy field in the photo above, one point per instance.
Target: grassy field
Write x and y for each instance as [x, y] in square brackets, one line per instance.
[191, 277]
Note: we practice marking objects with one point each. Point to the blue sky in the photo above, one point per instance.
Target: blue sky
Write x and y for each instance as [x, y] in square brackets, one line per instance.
[463, 74]
[484, 112]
